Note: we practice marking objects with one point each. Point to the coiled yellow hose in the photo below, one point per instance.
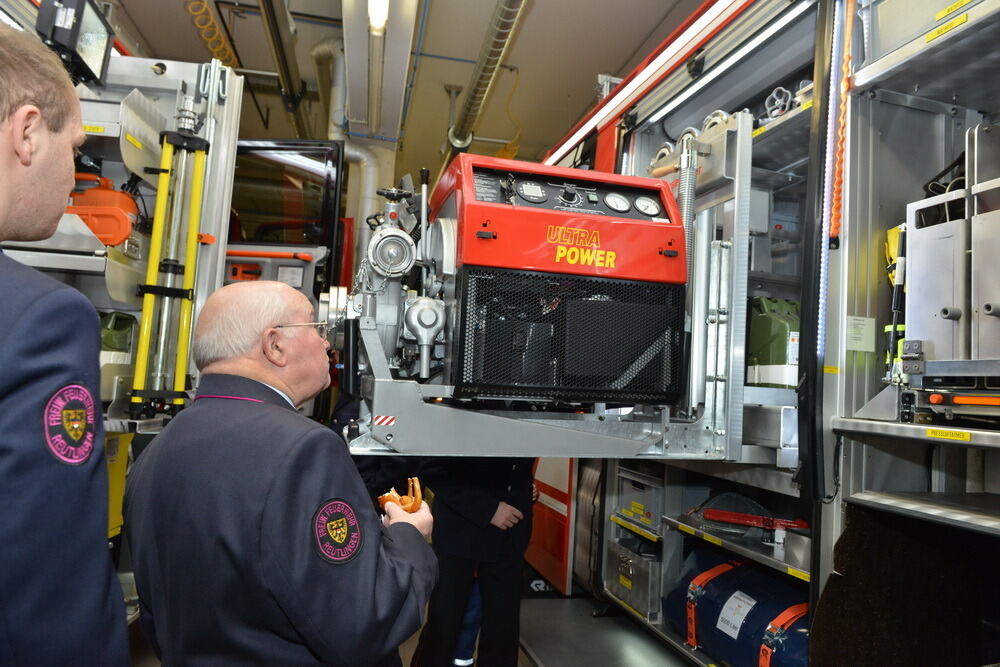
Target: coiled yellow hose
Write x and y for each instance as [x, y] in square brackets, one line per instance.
[210, 33]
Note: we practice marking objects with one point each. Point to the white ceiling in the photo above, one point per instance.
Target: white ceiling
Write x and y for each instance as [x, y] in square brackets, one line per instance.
[559, 47]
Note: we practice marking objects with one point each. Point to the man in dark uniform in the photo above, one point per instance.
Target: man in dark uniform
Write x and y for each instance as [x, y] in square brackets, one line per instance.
[482, 525]
[253, 537]
[60, 602]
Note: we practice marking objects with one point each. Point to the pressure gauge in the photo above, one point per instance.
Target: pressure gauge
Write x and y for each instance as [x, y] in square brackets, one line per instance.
[531, 191]
[616, 202]
[647, 205]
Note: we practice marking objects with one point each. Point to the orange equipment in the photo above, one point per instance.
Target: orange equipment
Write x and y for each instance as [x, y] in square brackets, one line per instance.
[109, 213]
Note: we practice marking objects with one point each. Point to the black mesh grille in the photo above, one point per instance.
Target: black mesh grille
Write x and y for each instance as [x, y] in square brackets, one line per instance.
[549, 335]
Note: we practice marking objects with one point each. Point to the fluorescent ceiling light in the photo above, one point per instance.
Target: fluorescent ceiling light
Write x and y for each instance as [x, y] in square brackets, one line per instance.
[378, 15]
[731, 60]
[9, 20]
[641, 79]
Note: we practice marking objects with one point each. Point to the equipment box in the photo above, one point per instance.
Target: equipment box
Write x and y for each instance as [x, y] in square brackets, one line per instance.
[893, 23]
[634, 579]
[640, 500]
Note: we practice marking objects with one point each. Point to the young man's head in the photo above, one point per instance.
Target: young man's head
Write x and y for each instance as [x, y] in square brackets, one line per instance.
[40, 129]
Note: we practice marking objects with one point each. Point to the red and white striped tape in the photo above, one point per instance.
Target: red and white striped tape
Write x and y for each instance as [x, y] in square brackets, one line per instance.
[383, 420]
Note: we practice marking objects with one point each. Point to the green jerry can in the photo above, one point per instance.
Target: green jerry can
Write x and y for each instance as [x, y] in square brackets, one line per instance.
[773, 343]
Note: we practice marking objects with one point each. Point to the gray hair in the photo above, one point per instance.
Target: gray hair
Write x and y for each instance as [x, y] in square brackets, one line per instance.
[235, 325]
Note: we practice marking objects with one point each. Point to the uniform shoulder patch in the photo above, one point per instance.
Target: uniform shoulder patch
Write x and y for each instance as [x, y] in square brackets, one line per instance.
[337, 531]
[70, 424]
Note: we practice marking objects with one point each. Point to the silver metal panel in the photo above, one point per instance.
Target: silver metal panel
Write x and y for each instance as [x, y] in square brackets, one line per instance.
[792, 557]
[958, 66]
[937, 270]
[985, 286]
[926, 434]
[739, 236]
[886, 166]
[439, 429]
[634, 580]
[979, 512]
[139, 135]
[757, 476]
[896, 22]
[982, 367]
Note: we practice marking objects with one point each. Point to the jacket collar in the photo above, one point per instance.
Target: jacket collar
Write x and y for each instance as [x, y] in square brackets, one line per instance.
[237, 387]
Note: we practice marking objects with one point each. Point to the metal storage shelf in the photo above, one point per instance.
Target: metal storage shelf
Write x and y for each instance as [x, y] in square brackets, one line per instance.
[795, 562]
[783, 141]
[922, 432]
[979, 512]
[665, 633]
[958, 58]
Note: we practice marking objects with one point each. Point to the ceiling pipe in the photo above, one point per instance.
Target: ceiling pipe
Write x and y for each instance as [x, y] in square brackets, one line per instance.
[328, 59]
[505, 17]
[282, 44]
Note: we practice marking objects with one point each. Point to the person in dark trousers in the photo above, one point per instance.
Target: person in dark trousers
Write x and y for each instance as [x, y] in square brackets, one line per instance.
[482, 525]
[253, 537]
[60, 601]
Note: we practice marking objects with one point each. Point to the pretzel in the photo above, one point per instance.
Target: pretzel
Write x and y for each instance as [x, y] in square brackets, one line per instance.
[410, 502]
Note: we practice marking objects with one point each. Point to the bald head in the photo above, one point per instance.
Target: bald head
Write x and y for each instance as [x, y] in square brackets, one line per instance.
[234, 317]
[259, 330]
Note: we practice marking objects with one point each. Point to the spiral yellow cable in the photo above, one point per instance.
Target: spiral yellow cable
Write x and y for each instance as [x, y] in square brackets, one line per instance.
[215, 40]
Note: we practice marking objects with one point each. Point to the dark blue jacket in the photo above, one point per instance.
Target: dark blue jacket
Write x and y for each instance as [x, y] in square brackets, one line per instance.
[255, 542]
[60, 602]
[467, 491]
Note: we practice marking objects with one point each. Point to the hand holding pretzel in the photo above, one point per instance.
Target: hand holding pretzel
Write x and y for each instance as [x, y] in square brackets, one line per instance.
[410, 502]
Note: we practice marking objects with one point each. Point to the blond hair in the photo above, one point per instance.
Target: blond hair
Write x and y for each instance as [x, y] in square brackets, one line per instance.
[30, 73]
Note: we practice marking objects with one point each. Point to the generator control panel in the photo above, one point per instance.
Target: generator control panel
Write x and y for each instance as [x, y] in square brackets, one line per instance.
[570, 195]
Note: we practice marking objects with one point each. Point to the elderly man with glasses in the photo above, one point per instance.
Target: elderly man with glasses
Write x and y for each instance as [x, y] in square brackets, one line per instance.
[253, 537]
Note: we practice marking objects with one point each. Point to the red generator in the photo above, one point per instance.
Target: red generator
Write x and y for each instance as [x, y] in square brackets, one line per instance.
[566, 284]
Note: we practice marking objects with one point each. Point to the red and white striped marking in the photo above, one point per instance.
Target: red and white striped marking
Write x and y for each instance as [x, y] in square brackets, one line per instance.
[383, 420]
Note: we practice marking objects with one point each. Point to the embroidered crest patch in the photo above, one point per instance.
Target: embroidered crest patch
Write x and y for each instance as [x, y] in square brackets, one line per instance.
[337, 531]
[69, 424]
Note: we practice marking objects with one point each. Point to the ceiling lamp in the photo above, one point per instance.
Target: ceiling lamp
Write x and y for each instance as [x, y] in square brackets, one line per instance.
[378, 15]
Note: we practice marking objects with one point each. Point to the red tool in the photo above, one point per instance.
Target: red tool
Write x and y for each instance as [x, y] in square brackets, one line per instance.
[766, 522]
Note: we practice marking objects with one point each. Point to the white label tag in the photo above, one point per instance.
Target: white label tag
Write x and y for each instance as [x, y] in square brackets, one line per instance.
[65, 17]
[734, 612]
[861, 334]
[792, 352]
[291, 275]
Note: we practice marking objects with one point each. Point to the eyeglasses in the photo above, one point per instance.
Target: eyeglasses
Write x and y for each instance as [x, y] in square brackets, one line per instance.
[321, 327]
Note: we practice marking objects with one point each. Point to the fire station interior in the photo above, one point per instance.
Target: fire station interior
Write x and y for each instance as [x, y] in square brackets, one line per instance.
[719, 266]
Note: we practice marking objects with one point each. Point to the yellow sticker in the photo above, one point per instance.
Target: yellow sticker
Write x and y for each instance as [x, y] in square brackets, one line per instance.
[804, 576]
[629, 513]
[946, 434]
[832, 370]
[950, 8]
[947, 27]
[646, 521]
[685, 529]
[625, 581]
[638, 507]
[712, 538]
[760, 130]
[132, 140]
[93, 129]
[635, 529]
[807, 105]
